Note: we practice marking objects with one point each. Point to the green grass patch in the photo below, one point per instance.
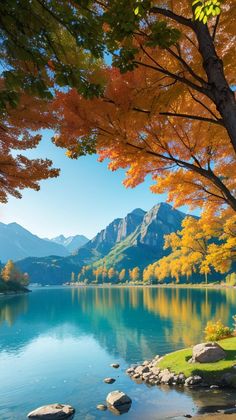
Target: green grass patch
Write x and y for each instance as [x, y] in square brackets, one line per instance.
[178, 362]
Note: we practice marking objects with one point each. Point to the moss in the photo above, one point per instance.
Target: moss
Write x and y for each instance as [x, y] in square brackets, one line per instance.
[178, 362]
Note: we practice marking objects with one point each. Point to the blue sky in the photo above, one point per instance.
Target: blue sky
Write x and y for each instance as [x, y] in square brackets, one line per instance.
[82, 200]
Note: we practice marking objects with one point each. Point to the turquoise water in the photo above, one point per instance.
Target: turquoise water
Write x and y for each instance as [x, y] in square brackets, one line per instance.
[57, 344]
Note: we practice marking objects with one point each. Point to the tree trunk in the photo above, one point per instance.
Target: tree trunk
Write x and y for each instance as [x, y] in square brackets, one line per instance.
[219, 91]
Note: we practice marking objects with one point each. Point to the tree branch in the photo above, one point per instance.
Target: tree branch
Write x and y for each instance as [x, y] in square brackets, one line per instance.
[192, 117]
[173, 16]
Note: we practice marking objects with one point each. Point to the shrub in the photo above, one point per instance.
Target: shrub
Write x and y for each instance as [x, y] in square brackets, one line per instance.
[215, 331]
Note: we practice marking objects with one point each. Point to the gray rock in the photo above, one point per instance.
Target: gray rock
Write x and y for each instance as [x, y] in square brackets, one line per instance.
[181, 378]
[141, 369]
[109, 380]
[208, 353]
[117, 399]
[155, 370]
[229, 379]
[146, 362]
[129, 371]
[52, 412]
[166, 377]
[115, 365]
[193, 380]
[214, 386]
[102, 407]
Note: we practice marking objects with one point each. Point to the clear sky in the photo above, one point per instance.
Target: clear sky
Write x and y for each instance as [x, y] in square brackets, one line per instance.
[82, 200]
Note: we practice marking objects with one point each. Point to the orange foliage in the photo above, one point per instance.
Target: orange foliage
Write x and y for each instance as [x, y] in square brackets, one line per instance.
[17, 127]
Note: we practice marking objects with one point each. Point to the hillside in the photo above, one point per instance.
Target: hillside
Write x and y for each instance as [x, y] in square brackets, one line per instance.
[135, 240]
[17, 242]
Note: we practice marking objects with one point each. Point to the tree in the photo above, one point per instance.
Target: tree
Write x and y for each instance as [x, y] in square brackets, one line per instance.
[199, 247]
[72, 277]
[11, 273]
[122, 275]
[112, 275]
[43, 44]
[134, 274]
[149, 119]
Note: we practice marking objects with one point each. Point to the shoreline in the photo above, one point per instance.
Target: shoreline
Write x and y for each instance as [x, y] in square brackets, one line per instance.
[156, 286]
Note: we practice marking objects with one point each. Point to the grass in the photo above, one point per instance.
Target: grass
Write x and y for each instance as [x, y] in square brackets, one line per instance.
[177, 362]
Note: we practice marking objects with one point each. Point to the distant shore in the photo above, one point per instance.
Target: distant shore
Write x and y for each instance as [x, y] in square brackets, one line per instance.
[159, 286]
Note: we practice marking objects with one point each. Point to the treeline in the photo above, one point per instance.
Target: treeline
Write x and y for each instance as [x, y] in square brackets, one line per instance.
[11, 278]
[152, 274]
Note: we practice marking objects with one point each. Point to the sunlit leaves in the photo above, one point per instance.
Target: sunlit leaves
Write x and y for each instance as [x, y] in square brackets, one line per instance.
[205, 9]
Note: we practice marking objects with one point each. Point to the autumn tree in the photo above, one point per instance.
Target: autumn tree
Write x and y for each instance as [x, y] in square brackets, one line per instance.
[122, 275]
[172, 114]
[11, 273]
[199, 247]
[134, 274]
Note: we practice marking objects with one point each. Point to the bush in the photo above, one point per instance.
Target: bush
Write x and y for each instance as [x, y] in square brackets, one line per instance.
[215, 331]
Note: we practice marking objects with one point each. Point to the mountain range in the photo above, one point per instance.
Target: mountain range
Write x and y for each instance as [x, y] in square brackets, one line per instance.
[135, 240]
[17, 243]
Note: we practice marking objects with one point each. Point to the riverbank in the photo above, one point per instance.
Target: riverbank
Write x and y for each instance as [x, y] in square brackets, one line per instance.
[12, 288]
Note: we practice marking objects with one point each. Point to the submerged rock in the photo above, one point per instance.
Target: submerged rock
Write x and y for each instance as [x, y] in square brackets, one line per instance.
[109, 380]
[52, 412]
[102, 407]
[208, 353]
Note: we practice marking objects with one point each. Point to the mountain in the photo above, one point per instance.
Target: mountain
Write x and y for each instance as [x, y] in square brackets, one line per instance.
[145, 244]
[17, 242]
[71, 243]
[135, 240]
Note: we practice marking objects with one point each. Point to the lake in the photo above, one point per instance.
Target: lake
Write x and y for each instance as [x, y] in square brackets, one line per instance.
[57, 344]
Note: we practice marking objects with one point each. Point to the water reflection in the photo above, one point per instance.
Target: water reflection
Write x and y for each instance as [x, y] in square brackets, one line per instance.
[126, 321]
[56, 344]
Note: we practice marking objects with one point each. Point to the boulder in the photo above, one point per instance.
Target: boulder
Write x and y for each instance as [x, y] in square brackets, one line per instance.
[117, 399]
[109, 380]
[208, 353]
[193, 380]
[52, 412]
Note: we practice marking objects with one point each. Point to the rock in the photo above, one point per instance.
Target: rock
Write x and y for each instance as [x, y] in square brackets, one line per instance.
[102, 407]
[155, 370]
[146, 362]
[166, 377]
[115, 365]
[129, 371]
[136, 376]
[193, 380]
[142, 369]
[208, 353]
[214, 386]
[229, 379]
[230, 410]
[181, 378]
[117, 399]
[52, 412]
[109, 380]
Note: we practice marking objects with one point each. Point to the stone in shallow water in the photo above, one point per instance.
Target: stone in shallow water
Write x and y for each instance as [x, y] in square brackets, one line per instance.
[118, 399]
[115, 365]
[102, 407]
[109, 380]
[52, 412]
